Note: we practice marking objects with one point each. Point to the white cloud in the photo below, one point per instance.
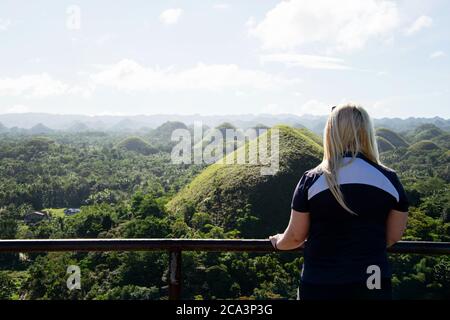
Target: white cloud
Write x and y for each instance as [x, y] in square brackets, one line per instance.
[343, 25]
[221, 6]
[314, 107]
[105, 38]
[38, 86]
[306, 61]
[35, 60]
[250, 23]
[170, 16]
[272, 108]
[41, 85]
[437, 54]
[414, 104]
[420, 23]
[311, 107]
[81, 91]
[4, 24]
[130, 76]
[109, 113]
[16, 109]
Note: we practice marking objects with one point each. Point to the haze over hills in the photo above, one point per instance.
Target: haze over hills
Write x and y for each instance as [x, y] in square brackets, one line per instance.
[135, 123]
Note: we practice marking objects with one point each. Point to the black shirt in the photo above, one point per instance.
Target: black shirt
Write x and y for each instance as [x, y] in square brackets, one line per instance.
[342, 245]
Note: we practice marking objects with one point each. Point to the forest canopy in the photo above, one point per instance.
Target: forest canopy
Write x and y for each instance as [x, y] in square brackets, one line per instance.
[111, 184]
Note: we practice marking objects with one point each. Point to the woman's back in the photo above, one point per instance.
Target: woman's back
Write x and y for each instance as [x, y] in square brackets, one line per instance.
[342, 245]
[347, 210]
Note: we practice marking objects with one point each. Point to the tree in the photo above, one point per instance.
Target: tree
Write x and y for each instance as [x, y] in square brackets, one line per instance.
[7, 287]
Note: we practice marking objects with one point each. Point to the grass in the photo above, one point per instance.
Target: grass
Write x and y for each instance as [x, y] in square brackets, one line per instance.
[226, 191]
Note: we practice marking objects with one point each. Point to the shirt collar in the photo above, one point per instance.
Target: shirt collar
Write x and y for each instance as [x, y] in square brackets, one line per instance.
[348, 154]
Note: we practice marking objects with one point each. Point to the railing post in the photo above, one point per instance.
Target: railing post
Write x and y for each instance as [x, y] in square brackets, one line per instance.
[174, 274]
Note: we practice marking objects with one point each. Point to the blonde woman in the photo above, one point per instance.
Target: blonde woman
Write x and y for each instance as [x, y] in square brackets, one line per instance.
[346, 212]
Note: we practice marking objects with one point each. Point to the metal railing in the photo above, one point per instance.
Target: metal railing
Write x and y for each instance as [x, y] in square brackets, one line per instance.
[176, 246]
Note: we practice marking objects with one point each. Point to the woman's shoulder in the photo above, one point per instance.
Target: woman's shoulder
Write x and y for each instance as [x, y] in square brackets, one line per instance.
[313, 172]
[386, 170]
[310, 176]
[391, 175]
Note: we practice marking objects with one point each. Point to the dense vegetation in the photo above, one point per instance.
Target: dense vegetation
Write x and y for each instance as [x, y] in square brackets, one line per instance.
[126, 187]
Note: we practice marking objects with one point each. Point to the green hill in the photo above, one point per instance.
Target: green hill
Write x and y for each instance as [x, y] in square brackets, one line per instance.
[443, 140]
[317, 139]
[78, 127]
[423, 146]
[233, 194]
[227, 144]
[224, 126]
[426, 132]
[384, 145]
[431, 132]
[164, 131]
[161, 137]
[40, 129]
[392, 137]
[136, 144]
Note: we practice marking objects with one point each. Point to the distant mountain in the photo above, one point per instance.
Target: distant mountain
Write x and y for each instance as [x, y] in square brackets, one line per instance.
[128, 125]
[399, 125]
[210, 136]
[223, 127]
[136, 122]
[40, 129]
[3, 128]
[78, 127]
[260, 126]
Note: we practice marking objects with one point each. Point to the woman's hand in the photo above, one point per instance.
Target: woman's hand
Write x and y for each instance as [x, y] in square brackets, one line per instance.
[274, 239]
[295, 234]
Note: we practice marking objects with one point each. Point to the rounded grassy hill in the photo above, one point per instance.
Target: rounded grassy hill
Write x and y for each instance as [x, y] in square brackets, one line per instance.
[423, 146]
[238, 196]
[136, 144]
[384, 145]
[392, 137]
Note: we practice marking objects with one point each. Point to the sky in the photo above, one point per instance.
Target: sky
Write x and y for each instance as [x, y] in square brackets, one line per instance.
[225, 57]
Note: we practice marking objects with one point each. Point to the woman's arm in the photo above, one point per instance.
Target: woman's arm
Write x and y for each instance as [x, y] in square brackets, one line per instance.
[295, 233]
[395, 226]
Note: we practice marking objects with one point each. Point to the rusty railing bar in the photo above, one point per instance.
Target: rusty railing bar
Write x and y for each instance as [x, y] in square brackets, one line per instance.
[174, 276]
[253, 245]
[176, 246]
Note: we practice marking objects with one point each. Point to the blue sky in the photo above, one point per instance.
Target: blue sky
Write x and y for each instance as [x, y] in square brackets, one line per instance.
[225, 57]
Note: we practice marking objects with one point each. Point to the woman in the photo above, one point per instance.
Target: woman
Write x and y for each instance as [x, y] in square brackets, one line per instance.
[345, 212]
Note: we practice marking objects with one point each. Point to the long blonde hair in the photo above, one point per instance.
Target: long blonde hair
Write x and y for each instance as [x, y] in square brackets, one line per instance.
[349, 130]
